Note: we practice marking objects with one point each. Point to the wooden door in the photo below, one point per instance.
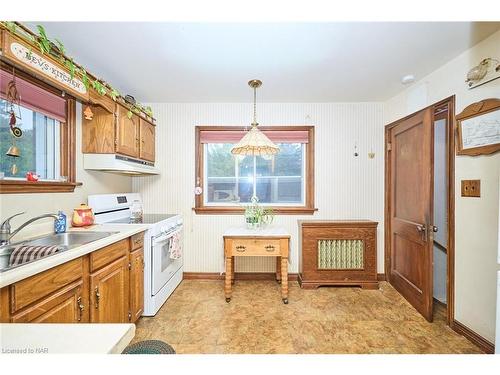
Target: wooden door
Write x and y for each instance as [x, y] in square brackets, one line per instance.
[64, 306]
[147, 141]
[127, 133]
[410, 189]
[109, 293]
[136, 284]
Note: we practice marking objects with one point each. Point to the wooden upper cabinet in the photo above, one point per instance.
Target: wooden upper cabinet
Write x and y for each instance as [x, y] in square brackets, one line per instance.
[147, 140]
[111, 131]
[127, 133]
[109, 293]
[136, 284]
[65, 306]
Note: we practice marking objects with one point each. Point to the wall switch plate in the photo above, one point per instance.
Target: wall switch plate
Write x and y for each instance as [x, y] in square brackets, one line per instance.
[471, 188]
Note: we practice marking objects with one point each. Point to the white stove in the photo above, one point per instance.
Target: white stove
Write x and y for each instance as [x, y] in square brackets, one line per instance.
[162, 273]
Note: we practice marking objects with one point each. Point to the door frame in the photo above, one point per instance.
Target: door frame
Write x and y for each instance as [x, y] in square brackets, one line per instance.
[450, 254]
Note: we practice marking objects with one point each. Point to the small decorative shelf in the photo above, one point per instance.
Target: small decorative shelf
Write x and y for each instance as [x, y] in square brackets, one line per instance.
[338, 253]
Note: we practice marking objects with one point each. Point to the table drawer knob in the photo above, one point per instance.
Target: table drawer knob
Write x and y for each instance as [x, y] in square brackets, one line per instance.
[269, 248]
[240, 248]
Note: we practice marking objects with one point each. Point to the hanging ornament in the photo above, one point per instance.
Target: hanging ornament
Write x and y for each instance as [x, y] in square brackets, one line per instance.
[13, 151]
[13, 97]
[88, 114]
[16, 131]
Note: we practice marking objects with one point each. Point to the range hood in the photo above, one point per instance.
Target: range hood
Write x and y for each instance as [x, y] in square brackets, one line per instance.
[118, 164]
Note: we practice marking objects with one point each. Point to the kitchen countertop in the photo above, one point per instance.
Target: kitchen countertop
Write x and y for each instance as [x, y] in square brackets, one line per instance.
[26, 270]
[78, 338]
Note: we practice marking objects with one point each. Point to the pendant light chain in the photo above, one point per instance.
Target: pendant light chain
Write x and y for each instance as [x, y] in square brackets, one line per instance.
[255, 106]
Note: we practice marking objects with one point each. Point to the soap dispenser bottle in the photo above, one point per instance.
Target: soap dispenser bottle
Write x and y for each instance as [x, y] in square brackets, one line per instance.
[60, 223]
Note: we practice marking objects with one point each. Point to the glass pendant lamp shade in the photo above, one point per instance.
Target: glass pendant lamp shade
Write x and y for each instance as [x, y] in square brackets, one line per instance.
[255, 142]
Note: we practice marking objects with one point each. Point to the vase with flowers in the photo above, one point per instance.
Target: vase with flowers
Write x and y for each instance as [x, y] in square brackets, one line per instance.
[257, 217]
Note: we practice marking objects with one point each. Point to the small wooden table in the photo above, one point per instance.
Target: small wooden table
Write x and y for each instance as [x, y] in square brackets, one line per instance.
[243, 242]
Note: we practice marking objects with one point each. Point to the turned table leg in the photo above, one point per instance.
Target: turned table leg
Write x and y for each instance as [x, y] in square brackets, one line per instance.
[284, 279]
[227, 283]
[278, 269]
[233, 268]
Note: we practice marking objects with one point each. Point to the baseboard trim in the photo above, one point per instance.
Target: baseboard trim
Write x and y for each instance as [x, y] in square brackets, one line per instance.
[237, 276]
[473, 337]
[381, 276]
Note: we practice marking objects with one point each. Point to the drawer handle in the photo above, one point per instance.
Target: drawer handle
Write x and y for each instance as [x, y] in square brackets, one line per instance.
[137, 241]
[80, 307]
[240, 248]
[97, 297]
[269, 248]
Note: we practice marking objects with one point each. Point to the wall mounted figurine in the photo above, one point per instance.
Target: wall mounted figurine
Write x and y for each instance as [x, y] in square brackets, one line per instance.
[486, 71]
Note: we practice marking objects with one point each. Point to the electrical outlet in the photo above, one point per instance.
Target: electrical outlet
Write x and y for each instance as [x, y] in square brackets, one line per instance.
[471, 188]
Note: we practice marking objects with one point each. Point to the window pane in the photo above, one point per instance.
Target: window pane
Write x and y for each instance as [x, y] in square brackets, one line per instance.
[280, 177]
[220, 161]
[39, 146]
[224, 186]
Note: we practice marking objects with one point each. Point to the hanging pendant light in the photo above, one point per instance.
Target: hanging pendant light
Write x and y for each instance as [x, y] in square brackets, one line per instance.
[255, 142]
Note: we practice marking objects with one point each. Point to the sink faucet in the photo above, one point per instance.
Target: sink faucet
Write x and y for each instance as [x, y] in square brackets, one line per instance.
[5, 230]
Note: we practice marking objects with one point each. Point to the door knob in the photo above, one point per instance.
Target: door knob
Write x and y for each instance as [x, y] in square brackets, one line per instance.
[434, 229]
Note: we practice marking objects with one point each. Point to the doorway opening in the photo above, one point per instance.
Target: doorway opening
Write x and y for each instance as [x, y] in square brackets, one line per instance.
[419, 209]
[440, 214]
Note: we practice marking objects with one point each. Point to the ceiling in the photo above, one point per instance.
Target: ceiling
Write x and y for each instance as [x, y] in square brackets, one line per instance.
[297, 62]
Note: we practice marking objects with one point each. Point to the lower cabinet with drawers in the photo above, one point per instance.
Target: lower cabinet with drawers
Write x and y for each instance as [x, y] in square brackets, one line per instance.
[105, 286]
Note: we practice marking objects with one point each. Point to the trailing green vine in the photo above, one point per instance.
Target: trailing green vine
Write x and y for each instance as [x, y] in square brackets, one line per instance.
[57, 49]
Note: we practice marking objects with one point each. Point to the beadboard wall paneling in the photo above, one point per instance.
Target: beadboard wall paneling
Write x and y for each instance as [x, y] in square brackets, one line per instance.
[347, 187]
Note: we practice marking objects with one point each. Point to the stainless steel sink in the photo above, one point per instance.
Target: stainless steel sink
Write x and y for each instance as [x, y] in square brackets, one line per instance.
[68, 240]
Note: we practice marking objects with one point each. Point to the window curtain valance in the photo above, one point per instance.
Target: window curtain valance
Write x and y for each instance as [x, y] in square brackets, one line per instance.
[34, 97]
[234, 136]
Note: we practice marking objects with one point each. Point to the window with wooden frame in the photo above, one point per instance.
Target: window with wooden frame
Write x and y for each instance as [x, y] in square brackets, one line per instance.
[284, 181]
[46, 118]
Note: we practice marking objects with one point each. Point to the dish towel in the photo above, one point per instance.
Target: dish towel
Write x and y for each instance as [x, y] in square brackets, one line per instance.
[23, 253]
[176, 246]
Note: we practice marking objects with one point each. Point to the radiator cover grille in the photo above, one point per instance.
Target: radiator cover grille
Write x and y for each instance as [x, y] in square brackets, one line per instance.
[340, 254]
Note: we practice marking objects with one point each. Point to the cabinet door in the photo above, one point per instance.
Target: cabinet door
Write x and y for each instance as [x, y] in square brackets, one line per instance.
[64, 306]
[136, 284]
[98, 134]
[147, 141]
[109, 293]
[127, 133]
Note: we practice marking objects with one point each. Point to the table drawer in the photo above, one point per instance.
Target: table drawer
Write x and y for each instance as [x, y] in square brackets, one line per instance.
[242, 247]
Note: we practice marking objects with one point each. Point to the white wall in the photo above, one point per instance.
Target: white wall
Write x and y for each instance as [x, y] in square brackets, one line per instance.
[36, 204]
[346, 187]
[476, 220]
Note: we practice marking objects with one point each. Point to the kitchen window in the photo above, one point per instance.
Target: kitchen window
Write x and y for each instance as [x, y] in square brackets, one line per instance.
[284, 181]
[46, 147]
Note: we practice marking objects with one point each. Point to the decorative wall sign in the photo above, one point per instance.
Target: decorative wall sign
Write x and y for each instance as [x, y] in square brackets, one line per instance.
[46, 67]
[479, 128]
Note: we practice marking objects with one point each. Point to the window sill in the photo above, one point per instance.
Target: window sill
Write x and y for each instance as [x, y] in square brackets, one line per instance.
[19, 186]
[240, 211]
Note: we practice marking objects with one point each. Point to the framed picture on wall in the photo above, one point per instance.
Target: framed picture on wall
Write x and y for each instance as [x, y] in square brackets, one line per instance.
[478, 128]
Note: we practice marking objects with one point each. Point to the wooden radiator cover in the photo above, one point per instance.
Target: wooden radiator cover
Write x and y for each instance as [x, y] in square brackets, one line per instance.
[338, 253]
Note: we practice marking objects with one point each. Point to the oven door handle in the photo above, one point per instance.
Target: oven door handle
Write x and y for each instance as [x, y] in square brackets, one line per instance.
[163, 237]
